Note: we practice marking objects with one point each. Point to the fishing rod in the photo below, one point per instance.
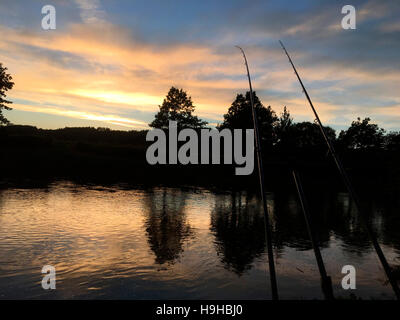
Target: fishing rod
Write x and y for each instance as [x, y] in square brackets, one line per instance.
[350, 188]
[268, 232]
[326, 281]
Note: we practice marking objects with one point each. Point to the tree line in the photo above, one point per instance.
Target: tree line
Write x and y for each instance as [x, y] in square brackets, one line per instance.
[102, 154]
[278, 132]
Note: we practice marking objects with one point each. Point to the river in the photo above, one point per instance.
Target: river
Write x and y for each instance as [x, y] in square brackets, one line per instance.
[116, 242]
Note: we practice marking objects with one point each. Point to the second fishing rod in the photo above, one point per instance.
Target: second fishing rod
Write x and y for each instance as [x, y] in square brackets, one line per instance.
[349, 187]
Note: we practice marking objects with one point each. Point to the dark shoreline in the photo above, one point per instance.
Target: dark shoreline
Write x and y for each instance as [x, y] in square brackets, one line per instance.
[34, 157]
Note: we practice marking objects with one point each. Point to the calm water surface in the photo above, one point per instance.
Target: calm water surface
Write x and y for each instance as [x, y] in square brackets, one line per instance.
[165, 243]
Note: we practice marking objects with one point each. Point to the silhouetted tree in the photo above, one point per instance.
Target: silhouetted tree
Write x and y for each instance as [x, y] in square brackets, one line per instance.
[392, 141]
[283, 126]
[239, 116]
[5, 85]
[303, 136]
[177, 106]
[362, 135]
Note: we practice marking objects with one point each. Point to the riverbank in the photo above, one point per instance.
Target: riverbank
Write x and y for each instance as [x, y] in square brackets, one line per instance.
[32, 156]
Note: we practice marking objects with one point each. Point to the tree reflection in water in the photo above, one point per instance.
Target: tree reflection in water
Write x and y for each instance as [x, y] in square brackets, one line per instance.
[238, 226]
[166, 224]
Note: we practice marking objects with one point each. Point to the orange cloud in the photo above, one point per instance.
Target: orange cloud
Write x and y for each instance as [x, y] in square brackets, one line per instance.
[103, 69]
[114, 119]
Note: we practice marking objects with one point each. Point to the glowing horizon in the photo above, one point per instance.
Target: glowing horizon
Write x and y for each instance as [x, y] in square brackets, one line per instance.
[107, 65]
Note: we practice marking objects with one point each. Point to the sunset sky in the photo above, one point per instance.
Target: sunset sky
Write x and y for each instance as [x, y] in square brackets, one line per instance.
[109, 63]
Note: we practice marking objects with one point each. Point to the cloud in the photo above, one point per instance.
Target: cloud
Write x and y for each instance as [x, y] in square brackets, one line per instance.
[108, 118]
[390, 26]
[99, 67]
[90, 11]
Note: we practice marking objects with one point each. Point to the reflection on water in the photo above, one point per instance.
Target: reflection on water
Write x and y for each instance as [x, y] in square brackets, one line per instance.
[166, 224]
[111, 242]
[238, 225]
